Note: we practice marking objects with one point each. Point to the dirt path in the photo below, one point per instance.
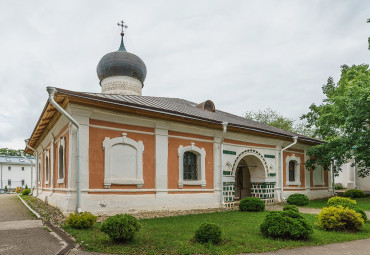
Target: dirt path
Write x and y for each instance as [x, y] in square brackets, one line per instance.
[21, 232]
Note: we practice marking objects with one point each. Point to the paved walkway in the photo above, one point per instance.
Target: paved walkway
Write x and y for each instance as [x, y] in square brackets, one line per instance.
[21, 232]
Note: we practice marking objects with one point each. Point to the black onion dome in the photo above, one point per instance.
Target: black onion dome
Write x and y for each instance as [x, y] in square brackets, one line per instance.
[122, 63]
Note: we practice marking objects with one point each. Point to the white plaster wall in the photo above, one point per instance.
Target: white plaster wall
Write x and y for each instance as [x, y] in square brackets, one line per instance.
[16, 175]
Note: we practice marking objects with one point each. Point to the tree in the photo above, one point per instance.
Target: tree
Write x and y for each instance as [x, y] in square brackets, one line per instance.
[368, 39]
[11, 152]
[273, 118]
[343, 120]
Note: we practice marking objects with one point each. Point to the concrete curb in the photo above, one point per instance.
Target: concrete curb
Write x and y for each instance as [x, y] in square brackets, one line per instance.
[60, 233]
[29, 208]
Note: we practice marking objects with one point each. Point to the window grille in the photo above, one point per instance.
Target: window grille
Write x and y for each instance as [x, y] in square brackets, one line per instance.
[190, 166]
[292, 171]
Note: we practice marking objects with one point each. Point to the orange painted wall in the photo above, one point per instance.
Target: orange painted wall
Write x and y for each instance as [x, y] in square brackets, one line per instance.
[301, 168]
[173, 161]
[96, 153]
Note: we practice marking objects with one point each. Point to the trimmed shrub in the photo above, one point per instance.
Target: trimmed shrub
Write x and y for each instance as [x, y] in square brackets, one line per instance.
[339, 218]
[287, 224]
[354, 193]
[293, 208]
[344, 201]
[83, 220]
[347, 202]
[338, 186]
[121, 227]
[298, 199]
[208, 233]
[25, 192]
[251, 204]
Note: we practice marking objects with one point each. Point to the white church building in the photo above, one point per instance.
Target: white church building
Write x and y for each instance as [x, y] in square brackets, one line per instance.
[122, 151]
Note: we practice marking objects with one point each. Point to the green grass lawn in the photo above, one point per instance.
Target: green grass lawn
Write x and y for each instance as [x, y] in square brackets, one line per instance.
[363, 203]
[173, 235]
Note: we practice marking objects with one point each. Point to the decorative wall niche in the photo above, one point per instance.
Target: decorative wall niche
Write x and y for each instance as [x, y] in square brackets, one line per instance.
[123, 161]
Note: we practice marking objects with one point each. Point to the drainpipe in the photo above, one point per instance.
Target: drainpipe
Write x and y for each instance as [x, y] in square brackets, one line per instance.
[37, 167]
[333, 178]
[295, 139]
[22, 154]
[224, 130]
[51, 91]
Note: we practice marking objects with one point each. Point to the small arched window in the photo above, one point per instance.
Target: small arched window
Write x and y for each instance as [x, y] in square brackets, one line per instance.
[61, 162]
[190, 166]
[292, 165]
[47, 169]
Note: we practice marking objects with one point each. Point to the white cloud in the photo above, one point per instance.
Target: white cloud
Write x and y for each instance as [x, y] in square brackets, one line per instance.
[243, 55]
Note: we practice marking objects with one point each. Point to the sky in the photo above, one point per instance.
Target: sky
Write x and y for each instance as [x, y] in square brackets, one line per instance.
[242, 55]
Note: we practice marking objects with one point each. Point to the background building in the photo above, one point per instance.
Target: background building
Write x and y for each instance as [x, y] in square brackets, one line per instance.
[15, 171]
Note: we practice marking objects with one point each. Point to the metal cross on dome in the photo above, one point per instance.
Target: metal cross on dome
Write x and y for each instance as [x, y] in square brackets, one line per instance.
[123, 26]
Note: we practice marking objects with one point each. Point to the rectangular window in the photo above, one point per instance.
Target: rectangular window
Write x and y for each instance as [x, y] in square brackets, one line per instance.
[22, 168]
[22, 182]
[47, 168]
[9, 168]
[9, 182]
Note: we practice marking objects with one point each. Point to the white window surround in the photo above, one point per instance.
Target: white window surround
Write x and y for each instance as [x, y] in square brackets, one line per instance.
[61, 143]
[47, 171]
[201, 158]
[297, 170]
[108, 143]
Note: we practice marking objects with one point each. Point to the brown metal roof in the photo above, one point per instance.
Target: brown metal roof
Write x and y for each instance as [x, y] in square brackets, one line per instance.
[171, 107]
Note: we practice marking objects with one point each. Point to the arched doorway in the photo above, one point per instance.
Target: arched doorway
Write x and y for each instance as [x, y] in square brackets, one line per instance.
[249, 169]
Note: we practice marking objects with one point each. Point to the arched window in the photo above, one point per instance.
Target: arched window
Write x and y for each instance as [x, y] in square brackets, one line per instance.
[293, 169]
[61, 162]
[292, 164]
[39, 173]
[47, 169]
[190, 166]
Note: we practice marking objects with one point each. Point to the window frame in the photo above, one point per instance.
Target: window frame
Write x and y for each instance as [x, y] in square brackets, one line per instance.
[9, 182]
[22, 168]
[297, 170]
[201, 158]
[9, 168]
[61, 144]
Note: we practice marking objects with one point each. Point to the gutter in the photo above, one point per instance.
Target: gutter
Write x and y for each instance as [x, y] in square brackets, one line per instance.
[295, 139]
[37, 166]
[224, 130]
[22, 154]
[51, 91]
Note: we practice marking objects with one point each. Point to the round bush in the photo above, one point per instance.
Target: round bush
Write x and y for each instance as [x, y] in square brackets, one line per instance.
[25, 192]
[121, 227]
[251, 204]
[293, 208]
[354, 193]
[339, 218]
[82, 220]
[287, 224]
[344, 201]
[298, 199]
[208, 232]
[360, 211]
